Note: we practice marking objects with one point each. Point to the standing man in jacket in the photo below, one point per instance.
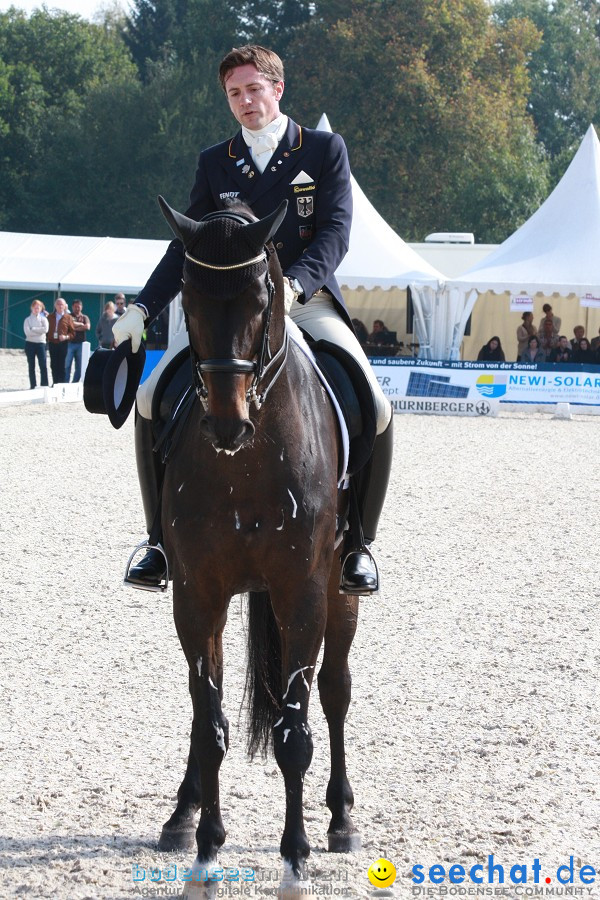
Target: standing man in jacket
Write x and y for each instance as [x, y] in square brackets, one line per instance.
[60, 332]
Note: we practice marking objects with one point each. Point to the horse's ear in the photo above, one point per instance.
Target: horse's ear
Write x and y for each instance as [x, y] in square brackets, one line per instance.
[182, 227]
[259, 233]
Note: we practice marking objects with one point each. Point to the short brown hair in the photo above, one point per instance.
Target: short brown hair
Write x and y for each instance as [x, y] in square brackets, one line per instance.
[265, 61]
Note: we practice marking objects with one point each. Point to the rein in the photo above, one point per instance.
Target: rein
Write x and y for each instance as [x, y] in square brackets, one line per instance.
[259, 368]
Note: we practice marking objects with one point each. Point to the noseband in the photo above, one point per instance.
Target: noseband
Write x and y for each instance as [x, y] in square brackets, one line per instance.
[259, 368]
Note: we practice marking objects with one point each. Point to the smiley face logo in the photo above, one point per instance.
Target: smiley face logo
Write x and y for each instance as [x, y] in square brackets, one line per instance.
[381, 873]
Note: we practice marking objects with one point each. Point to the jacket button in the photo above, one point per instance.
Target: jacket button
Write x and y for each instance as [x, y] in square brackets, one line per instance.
[279, 245]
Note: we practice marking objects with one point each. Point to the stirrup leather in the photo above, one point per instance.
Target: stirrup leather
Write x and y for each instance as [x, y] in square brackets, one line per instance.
[159, 588]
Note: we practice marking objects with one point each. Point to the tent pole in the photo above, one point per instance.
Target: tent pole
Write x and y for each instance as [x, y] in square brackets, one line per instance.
[5, 319]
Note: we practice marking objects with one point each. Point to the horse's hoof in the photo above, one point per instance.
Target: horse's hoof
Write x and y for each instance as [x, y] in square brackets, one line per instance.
[171, 840]
[344, 843]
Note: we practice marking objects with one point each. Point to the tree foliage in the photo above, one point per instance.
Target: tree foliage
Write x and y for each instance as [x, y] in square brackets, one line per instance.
[564, 96]
[431, 99]
[451, 109]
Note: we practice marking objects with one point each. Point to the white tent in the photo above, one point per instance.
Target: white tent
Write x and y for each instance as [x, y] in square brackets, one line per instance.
[45, 262]
[378, 260]
[556, 251]
[377, 257]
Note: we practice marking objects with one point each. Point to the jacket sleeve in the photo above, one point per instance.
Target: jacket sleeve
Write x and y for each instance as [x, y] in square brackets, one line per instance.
[165, 282]
[333, 218]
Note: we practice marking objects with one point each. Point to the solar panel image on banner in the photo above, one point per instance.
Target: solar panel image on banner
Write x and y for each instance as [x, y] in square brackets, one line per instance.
[422, 385]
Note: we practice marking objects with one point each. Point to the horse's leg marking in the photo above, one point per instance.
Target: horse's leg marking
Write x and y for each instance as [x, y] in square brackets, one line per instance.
[293, 675]
[295, 510]
[220, 737]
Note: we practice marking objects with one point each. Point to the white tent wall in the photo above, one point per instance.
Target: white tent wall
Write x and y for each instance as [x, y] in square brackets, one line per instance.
[387, 305]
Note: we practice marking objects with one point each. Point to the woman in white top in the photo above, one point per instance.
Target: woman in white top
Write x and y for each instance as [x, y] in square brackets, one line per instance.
[35, 327]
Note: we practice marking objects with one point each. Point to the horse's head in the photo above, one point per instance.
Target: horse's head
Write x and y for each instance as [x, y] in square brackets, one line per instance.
[233, 302]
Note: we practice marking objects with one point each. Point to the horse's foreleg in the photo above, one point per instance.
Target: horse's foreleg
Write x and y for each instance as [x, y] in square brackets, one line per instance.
[293, 744]
[334, 691]
[210, 741]
[179, 832]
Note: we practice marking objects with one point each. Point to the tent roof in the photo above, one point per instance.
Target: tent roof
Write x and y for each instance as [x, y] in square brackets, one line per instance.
[377, 256]
[48, 262]
[556, 250]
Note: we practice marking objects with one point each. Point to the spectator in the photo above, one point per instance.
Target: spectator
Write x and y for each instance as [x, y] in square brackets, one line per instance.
[383, 338]
[524, 332]
[579, 332]
[104, 328]
[562, 352]
[380, 334]
[549, 317]
[120, 303]
[81, 324]
[35, 327]
[360, 330]
[492, 351]
[583, 353]
[60, 332]
[547, 337]
[596, 342]
[533, 353]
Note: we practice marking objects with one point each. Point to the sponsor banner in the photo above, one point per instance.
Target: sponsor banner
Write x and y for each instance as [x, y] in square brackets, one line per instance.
[590, 300]
[521, 303]
[476, 388]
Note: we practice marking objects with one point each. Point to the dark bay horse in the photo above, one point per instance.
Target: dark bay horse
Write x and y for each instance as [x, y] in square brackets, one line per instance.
[249, 505]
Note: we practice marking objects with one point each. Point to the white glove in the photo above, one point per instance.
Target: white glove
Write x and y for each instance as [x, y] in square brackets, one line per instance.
[289, 295]
[130, 325]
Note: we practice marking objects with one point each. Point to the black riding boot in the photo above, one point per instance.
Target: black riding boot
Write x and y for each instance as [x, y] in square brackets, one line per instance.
[150, 573]
[359, 569]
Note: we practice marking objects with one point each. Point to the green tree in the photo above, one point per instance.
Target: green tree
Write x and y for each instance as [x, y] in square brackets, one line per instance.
[105, 165]
[564, 70]
[50, 62]
[430, 96]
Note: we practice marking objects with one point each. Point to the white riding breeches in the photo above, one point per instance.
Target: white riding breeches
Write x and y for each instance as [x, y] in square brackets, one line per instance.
[320, 319]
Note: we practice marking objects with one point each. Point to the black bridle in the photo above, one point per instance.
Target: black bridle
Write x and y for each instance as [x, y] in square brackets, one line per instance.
[259, 368]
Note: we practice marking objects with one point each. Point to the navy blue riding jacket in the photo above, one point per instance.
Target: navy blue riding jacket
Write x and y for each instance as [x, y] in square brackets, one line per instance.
[310, 169]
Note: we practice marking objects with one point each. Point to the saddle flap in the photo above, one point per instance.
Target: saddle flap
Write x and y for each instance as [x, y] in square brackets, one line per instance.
[354, 396]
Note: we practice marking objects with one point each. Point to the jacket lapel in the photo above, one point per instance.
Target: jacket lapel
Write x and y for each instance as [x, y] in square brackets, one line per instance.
[242, 168]
[284, 160]
[239, 163]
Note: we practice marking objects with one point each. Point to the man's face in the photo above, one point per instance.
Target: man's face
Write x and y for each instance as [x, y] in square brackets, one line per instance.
[60, 307]
[564, 343]
[252, 98]
[76, 306]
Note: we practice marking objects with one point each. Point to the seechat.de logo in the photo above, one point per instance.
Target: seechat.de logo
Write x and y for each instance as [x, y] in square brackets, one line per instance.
[491, 386]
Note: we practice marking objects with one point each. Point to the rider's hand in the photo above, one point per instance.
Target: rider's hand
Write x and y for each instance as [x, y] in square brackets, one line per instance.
[130, 325]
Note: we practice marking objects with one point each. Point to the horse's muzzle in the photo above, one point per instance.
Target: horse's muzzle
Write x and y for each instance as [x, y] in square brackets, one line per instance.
[227, 434]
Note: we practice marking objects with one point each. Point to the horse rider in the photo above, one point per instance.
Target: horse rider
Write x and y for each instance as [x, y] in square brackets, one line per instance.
[270, 159]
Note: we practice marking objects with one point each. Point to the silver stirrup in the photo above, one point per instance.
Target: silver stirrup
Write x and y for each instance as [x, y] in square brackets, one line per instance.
[159, 588]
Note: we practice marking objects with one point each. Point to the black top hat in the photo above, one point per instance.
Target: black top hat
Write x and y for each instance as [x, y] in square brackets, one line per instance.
[111, 381]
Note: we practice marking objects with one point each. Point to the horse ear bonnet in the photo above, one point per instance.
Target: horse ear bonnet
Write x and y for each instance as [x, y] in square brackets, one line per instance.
[224, 237]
